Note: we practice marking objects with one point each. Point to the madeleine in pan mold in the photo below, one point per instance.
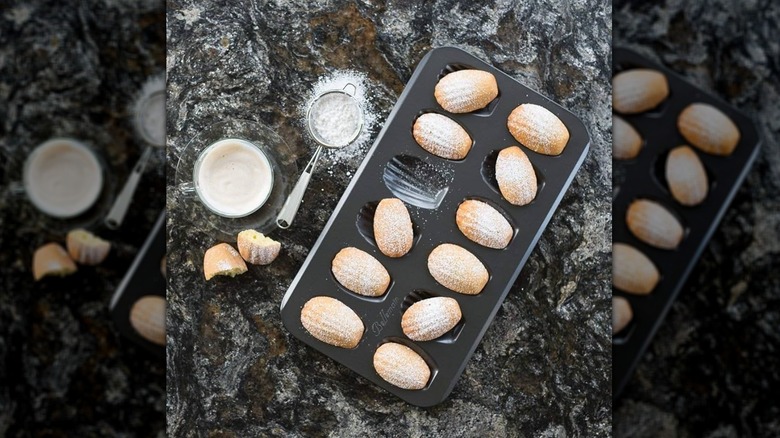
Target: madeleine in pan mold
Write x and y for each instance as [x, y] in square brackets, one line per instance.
[401, 366]
[632, 271]
[393, 231]
[538, 129]
[332, 322]
[626, 141]
[686, 176]
[465, 91]
[457, 269]
[653, 224]
[442, 136]
[147, 316]
[621, 314]
[430, 318]
[360, 272]
[708, 129]
[483, 224]
[515, 176]
[638, 90]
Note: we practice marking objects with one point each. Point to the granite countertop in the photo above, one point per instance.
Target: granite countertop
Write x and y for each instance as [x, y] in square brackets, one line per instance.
[712, 367]
[543, 367]
[72, 70]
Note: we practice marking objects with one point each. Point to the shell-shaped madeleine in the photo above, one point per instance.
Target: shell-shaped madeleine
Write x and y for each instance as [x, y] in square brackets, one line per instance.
[256, 248]
[222, 259]
[707, 128]
[52, 259]
[464, 91]
[442, 136]
[515, 176]
[86, 248]
[538, 129]
[393, 229]
[653, 224]
[332, 322]
[147, 316]
[430, 318]
[638, 90]
[626, 141]
[686, 176]
[401, 366]
[360, 272]
[457, 269]
[483, 224]
[621, 314]
[632, 271]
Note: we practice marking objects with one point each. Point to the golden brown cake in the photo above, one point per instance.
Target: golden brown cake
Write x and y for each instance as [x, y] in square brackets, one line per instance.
[86, 248]
[483, 224]
[515, 176]
[638, 90]
[256, 248]
[222, 259]
[52, 259]
[430, 318]
[708, 129]
[686, 176]
[632, 271]
[332, 322]
[536, 128]
[465, 91]
[441, 136]
[457, 269]
[147, 316]
[626, 141]
[621, 314]
[393, 229]
[401, 366]
[653, 224]
[360, 272]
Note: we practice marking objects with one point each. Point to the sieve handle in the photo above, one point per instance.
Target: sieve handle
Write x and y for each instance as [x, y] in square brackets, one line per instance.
[117, 213]
[290, 208]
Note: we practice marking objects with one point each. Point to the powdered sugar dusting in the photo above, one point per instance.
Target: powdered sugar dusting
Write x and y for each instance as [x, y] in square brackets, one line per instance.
[538, 129]
[457, 269]
[359, 272]
[401, 366]
[430, 318]
[393, 230]
[515, 175]
[483, 224]
[338, 80]
[442, 136]
[466, 90]
[332, 322]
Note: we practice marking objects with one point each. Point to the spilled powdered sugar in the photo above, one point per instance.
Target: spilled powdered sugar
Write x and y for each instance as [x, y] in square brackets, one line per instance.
[338, 81]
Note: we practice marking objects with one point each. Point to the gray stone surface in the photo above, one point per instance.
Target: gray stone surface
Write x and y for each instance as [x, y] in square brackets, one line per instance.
[543, 367]
[712, 369]
[72, 68]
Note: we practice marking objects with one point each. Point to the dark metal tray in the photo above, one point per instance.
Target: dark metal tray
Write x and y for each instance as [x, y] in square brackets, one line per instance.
[643, 177]
[469, 178]
[143, 278]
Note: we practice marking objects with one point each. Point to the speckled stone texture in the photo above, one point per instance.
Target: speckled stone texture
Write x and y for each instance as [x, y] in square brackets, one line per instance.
[73, 68]
[543, 368]
[712, 369]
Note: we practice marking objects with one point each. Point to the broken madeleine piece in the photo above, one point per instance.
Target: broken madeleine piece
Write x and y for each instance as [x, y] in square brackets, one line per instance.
[87, 248]
[256, 248]
[52, 259]
[222, 259]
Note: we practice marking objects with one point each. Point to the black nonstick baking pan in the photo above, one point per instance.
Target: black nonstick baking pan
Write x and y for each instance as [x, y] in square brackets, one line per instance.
[143, 278]
[643, 177]
[432, 188]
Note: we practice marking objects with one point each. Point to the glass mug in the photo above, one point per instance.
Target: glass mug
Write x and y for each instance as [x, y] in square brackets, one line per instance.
[66, 181]
[232, 178]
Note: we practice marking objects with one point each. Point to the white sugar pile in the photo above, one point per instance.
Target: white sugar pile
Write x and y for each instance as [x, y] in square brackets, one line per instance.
[338, 80]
